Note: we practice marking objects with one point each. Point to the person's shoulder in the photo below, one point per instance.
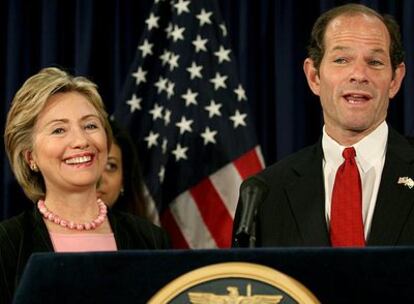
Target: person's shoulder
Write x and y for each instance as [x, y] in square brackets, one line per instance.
[11, 230]
[153, 236]
[410, 140]
[284, 167]
[400, 144]
[11, 235]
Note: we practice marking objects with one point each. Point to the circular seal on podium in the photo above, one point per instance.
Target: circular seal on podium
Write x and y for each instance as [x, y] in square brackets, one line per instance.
[234, 283]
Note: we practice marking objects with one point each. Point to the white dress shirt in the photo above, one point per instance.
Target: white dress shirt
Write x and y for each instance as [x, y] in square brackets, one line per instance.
[370, 157]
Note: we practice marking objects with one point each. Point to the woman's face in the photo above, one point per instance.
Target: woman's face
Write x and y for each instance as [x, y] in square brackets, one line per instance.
[69, 143]
[111, 182]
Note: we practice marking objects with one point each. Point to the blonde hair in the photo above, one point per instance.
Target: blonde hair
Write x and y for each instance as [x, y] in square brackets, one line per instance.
[26, 106]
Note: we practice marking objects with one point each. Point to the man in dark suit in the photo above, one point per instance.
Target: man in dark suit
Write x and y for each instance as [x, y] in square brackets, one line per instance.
[355, 65]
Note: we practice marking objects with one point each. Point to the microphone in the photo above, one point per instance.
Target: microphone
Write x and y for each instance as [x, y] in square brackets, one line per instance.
[252, 192]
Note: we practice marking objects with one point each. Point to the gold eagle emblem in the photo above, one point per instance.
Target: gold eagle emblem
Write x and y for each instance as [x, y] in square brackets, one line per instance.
[233, 297]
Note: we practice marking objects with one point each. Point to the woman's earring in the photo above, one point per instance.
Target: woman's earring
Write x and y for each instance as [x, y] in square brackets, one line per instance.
[33, 167]
[121, 192]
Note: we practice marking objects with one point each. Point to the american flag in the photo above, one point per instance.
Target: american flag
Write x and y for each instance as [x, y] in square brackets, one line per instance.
[187, 111]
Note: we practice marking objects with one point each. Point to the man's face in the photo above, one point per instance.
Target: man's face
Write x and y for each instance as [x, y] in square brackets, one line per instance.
[355, 80]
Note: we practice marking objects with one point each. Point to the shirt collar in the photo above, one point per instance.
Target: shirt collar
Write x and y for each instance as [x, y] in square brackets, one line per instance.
[369, 150]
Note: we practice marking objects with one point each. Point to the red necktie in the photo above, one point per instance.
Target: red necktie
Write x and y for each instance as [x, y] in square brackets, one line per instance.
[347, 228]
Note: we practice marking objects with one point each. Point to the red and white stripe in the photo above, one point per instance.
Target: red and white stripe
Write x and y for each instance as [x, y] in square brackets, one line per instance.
[202, 217]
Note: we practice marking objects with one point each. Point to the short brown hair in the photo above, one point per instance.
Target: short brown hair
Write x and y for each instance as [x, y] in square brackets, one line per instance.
[28, 102]
[316, 47]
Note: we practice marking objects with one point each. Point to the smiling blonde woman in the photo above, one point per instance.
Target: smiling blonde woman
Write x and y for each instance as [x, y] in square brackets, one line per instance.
[57, 138]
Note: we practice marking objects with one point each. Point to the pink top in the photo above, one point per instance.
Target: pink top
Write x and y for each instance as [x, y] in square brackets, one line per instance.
[81, 242]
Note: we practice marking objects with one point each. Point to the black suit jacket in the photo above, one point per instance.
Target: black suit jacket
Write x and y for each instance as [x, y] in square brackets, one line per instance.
[293, 213]
[26, 233]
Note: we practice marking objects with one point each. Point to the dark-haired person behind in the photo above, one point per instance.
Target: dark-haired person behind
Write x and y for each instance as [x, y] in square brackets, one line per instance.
[355, 186]
[121, 185]
[57, 138]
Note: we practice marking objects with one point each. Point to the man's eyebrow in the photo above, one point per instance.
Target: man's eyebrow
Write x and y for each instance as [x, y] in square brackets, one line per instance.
[378, 50]
[340, 48]
[345, 48]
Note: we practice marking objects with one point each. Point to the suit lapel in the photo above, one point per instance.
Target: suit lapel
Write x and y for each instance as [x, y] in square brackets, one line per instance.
[395, 201]
[307, 198]
[41, 238]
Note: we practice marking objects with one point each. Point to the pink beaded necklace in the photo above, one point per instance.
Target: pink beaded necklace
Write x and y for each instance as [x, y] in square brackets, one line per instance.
[50, 216]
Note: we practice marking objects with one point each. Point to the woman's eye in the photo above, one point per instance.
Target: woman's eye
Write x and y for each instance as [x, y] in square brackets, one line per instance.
[111, 167]
[91, 126]
[58, 131]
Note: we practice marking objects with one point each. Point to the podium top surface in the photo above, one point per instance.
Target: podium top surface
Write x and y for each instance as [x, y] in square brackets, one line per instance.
[333, 275]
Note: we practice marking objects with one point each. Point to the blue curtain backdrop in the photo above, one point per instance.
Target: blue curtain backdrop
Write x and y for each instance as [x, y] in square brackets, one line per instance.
[98, 39]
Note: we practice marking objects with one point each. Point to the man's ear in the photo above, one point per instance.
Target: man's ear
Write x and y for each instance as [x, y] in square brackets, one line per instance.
[312, 76]
[395, 85]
